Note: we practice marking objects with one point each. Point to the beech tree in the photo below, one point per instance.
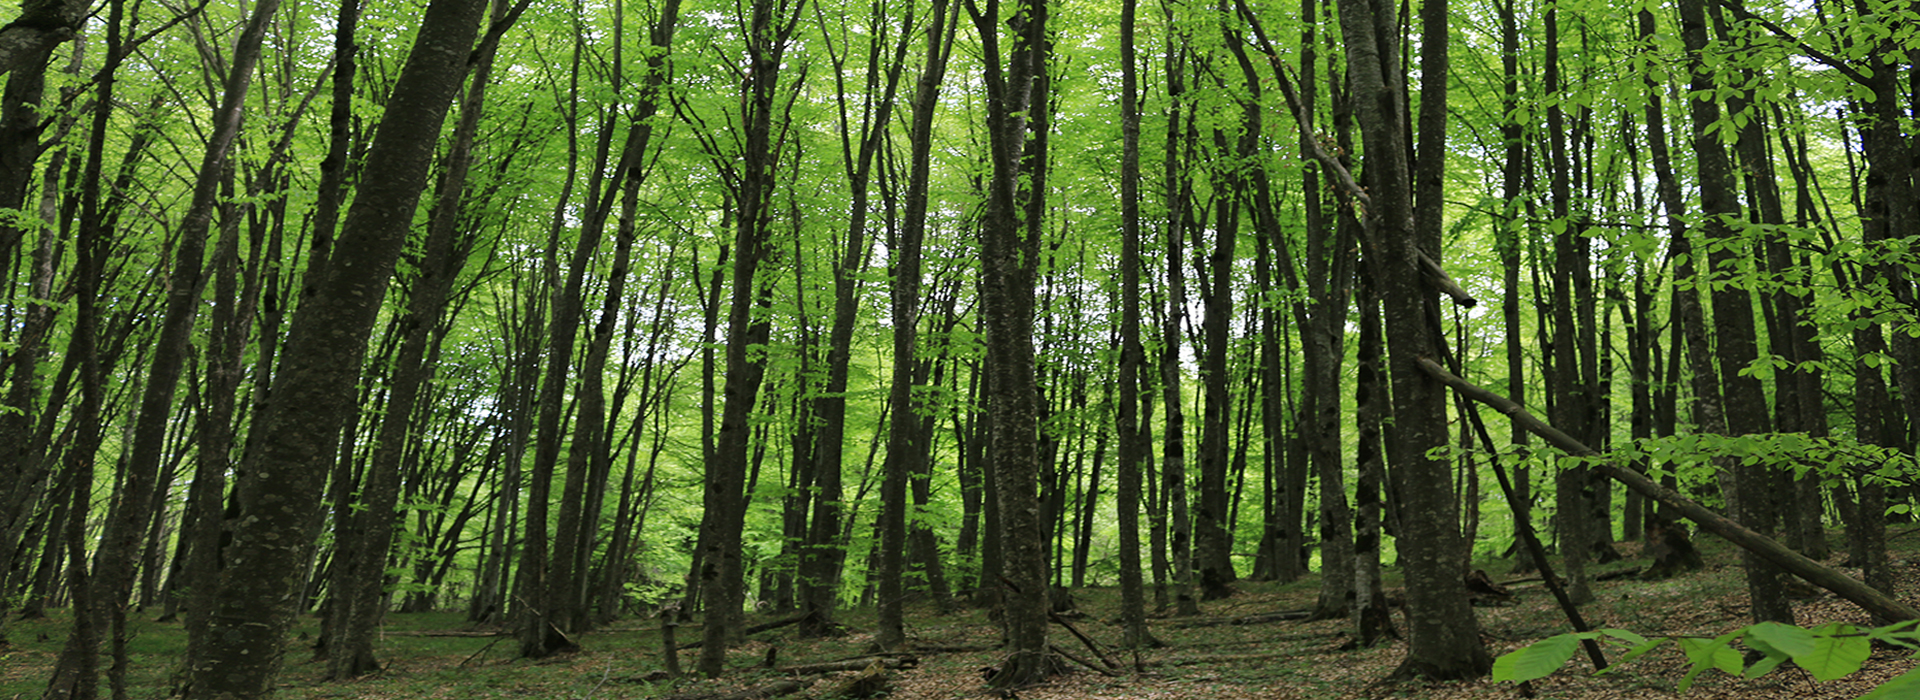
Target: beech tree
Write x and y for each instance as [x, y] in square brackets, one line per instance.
[783, 309]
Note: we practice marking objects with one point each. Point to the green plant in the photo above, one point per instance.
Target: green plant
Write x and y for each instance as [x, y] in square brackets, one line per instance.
[1826, 652]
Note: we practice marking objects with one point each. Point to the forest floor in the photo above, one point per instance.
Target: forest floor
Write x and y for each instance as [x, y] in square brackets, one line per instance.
[1234, 650]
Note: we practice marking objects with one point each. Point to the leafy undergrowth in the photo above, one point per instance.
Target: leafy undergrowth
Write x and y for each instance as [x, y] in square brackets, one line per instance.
[440, 656]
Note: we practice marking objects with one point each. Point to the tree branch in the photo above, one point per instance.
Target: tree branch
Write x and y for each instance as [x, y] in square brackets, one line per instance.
[1868, 598]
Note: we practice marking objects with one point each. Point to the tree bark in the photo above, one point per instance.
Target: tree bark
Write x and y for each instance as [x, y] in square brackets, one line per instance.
[1133, 442]
[1017, 94]
[1443, 636]
[361, 552]
[771, 27]
[1743, 399]
[258, 590]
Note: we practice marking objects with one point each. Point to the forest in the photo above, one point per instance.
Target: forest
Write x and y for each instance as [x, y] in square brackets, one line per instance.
[557, 315]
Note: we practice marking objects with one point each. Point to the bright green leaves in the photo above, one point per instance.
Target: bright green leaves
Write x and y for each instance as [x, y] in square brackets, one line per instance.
[1905, 686]
[1799, 452]
[1838, 650]
[1828, 652]
[1704, 654]
[1540, 659]
[1537, 660]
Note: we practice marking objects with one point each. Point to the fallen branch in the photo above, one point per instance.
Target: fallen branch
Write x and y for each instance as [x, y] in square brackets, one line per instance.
[1261, 618]
[1095, 648]
[850, 665]
[1287, 616]
[771, 690]
[1628, 572]
[1110, 673]
[444, 633]
[756, 629]
[483, 650]
[1226, 659]
[1840, 584]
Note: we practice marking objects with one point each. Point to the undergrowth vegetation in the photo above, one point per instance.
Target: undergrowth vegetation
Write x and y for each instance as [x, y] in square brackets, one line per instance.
[1240, 647]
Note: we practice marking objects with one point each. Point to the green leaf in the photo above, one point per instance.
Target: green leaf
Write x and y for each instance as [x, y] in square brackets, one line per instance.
[1629, 637]
[1536, 660]
[1788, 639]
[1710, 653]
[1638, 651]
[1834, 656]
[1772, 659]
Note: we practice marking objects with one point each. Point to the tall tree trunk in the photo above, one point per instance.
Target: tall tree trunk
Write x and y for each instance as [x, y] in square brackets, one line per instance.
[1509, 241]
[1373, 620]
[1016, 125]
[1443, 636]
[771, 27]
[904, 448]
[1744, 402]
[359, 600]
[258, 588]
[1172, 380]
[74, 675]
[1568, 398]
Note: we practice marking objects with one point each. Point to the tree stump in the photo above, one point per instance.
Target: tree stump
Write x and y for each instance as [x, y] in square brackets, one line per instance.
[1671, 548]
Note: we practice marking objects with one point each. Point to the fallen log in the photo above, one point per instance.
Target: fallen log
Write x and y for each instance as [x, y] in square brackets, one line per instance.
[770, 690]
[756, 629]
[1102, 670]
[1847, 587]
[1256, 619]
[1084, 639]
[850, 665]
[873, 681]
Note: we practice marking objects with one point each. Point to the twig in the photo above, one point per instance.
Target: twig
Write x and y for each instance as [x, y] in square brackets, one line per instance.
[1095, 648]
[604, 675]
[1110, 673]
[483, 650]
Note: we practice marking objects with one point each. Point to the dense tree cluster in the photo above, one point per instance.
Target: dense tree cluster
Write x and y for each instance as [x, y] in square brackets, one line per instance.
[564, 312]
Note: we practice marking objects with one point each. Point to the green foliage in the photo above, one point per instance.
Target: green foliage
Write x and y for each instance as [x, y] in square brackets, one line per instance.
[1828, 457]
[1827, 652]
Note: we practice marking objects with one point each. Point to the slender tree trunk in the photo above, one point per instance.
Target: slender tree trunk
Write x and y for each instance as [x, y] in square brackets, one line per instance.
[1172, 381]
[770, 29]
[1373, 620]
[359, 601]
[904, 448]
[1509, 232]
[1744, 401]
[1566, 384]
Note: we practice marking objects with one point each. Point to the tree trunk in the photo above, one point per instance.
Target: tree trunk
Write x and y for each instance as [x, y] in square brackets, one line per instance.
[721, 576]
[1443, 636]
[258, 589]
[359, 600]
[1744, 401]
[1373, 620]
[1016, 125]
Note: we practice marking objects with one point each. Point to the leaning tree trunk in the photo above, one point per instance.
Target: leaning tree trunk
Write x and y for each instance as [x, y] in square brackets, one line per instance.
[360, 556]
[259, 590]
